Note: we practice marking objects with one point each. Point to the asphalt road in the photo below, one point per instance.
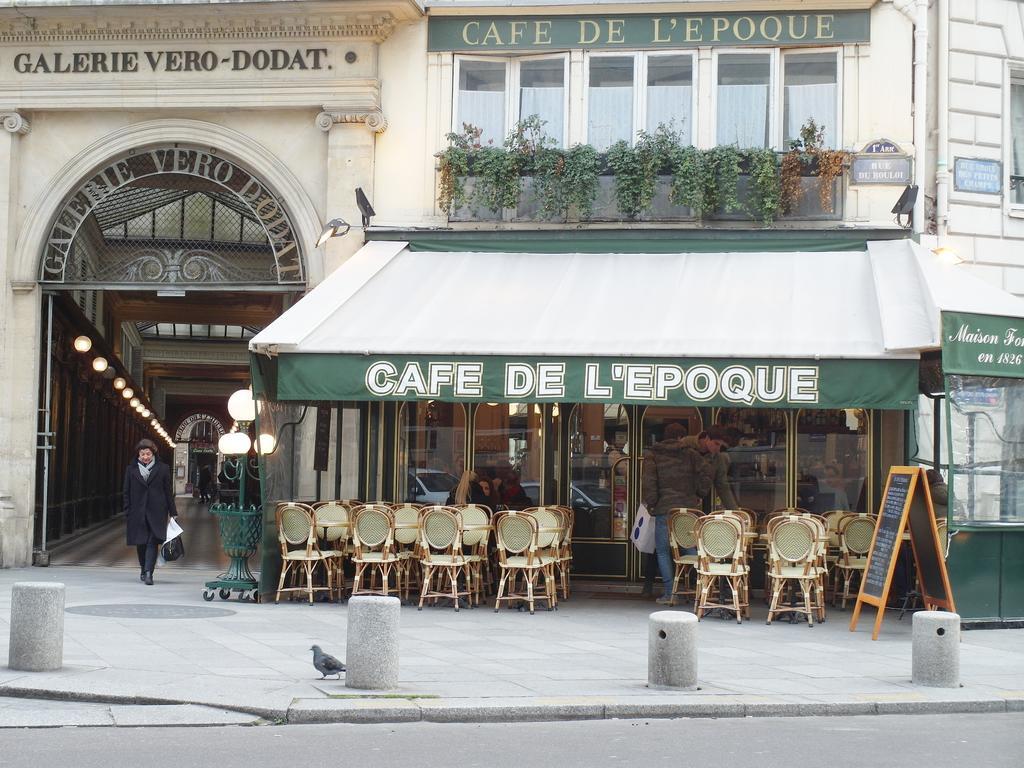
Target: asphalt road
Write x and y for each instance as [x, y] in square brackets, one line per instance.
[935, 741]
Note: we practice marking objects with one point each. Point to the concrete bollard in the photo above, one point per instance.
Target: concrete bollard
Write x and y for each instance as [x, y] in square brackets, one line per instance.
[672, 650]
[935, 650]
[37, 627]
[371, 656]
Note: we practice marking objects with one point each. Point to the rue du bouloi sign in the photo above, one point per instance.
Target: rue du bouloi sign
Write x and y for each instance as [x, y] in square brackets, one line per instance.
[539, 33]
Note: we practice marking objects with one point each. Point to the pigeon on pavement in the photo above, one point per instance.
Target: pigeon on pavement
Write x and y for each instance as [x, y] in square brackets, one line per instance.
[326, 664]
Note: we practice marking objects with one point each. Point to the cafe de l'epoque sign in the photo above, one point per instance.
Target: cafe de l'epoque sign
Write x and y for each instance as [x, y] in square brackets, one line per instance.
[683, 30]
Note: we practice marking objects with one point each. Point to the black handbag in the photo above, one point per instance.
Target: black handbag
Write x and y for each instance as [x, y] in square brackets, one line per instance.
[173, 549]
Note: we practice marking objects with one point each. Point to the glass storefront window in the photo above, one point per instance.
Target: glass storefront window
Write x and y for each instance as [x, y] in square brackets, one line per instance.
[432, 450]
[810, 92]
[508, 444]
[758, 466]
[986, 422]
[670, 94]
[832, 459]
[744, 86]
[481, 101]
[542, 93]
[599, 470]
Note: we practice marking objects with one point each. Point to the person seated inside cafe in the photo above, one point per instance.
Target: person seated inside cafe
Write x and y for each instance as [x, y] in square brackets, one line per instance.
[469, 491]
[512, 494]
[831, 494]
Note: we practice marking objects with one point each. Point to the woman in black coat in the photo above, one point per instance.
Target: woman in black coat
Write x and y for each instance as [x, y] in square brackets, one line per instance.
[148, 503]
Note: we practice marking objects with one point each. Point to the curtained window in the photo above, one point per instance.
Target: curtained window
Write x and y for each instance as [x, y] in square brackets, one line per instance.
[542, 93]
[670, 95]
[482, 99]
[610, 101]
[810, 91]
[744, 86]
[1017, 138]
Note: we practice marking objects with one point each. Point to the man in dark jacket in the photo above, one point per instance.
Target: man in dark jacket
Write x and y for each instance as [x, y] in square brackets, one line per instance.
[711, 445]
[148, 503]
[674, 475]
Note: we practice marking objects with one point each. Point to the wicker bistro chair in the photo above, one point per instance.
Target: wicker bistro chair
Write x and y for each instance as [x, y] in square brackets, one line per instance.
[407, 546]
[550, 528]
[794, 556]
[297, 536]
[334, 532]
[476, 536]
[520, 556]
[855, 535]
[441, 555]
[373, 542]
[564, 562]
[682, 523]
[720, 556]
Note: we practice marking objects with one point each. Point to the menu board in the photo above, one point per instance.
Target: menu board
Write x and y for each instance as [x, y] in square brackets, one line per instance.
[907, 499]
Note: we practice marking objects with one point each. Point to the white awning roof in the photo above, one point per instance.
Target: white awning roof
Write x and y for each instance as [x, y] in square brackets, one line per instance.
[880, 303]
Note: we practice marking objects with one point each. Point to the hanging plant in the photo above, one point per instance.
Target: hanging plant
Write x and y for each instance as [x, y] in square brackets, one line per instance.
[689, 170]
[830, 166]
[580, 178]
[722, 179]
[765, 186]
[791, 187]
[453, 167]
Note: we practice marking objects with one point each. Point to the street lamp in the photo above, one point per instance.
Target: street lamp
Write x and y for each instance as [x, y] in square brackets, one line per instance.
[240, 529]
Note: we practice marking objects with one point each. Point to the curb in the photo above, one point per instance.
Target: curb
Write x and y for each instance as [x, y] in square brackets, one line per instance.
[391, 710]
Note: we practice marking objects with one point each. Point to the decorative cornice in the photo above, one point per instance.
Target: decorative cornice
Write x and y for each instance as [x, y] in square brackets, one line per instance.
[374, 119]
[374, 27]
[15, 123]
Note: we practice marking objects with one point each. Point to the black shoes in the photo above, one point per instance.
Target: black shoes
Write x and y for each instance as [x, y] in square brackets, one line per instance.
[147, 577]
[142, 576]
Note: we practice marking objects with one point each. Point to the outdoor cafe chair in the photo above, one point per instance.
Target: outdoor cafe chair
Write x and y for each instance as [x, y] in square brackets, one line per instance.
[855, 535]
[476, 535]
[794, 547]
[407, 545]
[549, 537]
[333, 531]
[520, 557]
[720, 557]
[682, 522]
[564, 561]
[373, 542]
[299, 549]
[441, 555]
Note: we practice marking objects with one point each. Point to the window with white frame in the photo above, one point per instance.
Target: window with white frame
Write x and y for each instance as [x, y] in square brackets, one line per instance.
[810, 91]
[494, 94]
[669, 97]
[627, 93]
[743, 96]
[763, 98]
[1017, 138]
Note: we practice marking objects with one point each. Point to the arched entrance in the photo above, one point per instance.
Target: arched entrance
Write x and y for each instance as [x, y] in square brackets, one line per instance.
[168, 256]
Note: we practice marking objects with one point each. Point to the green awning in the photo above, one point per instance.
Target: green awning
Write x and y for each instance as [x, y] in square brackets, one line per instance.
[790, 383]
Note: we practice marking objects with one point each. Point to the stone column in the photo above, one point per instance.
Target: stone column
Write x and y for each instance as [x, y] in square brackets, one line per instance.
[350, 148]
[17, 435]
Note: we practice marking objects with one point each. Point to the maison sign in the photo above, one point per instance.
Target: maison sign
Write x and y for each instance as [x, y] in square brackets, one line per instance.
[552, 33]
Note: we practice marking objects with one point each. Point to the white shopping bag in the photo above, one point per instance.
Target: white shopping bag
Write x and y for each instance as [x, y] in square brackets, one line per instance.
[642, 534]
[173, 530]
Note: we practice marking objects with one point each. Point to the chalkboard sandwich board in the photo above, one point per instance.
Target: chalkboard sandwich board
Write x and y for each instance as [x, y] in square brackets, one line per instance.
[906, 504]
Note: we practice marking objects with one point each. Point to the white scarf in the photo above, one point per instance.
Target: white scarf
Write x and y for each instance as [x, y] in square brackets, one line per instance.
[145, 469]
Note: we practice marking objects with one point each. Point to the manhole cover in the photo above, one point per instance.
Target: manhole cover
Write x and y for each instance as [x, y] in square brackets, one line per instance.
[141, 611]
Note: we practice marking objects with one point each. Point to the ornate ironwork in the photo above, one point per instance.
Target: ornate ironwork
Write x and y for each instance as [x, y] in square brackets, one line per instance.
[206, 220]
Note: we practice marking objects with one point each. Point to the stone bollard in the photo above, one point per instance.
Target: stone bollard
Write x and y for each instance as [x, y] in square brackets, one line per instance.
[37, 627]
[935, 650]
[371, 655]
[672, 650]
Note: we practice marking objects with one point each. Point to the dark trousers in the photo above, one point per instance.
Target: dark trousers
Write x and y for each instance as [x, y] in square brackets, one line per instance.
[147, 553]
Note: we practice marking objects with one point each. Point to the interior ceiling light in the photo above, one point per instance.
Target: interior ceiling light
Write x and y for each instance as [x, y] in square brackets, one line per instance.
[100, 364]
[120, 383]
[82, 344]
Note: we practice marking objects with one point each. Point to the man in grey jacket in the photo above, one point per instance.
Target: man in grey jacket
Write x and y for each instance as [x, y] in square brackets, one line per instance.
[674, 475]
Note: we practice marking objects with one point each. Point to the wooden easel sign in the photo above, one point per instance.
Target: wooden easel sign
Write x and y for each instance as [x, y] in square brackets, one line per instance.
[907, 500]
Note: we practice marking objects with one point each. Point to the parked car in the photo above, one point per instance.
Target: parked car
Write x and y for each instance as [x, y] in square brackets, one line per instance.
[591, 502]
[430, 486]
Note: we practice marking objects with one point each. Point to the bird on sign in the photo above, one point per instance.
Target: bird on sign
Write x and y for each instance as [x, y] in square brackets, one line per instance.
[326, 664]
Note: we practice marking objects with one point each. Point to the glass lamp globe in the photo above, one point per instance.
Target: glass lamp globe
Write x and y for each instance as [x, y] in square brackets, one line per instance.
[100, 364]
[127, 393]
[120, 383]
[265, 444]
[241, 406]
[82, 343]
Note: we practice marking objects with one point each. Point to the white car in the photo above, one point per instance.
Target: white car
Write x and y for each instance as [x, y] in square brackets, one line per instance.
[430, 486]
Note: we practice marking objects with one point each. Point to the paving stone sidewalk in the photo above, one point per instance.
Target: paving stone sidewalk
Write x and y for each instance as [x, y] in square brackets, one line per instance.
[161, 655]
